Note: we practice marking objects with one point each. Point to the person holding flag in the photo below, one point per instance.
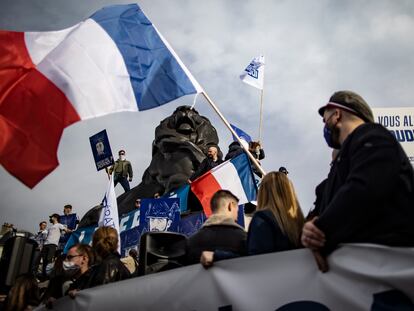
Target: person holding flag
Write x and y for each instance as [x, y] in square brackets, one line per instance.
[106, 242]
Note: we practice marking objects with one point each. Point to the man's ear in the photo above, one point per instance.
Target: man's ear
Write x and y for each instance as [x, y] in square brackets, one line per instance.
[229, 207]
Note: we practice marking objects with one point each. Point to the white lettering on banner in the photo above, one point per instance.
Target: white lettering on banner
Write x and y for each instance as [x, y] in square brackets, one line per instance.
[264, 282]
[135, 221]
[123, 224]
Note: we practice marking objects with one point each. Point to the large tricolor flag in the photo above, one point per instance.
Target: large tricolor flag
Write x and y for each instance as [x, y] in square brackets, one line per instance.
[254, 72]
[235, 175]
[116, 60]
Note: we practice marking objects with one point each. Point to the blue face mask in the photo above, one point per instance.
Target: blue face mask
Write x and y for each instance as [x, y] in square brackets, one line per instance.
[327, 134]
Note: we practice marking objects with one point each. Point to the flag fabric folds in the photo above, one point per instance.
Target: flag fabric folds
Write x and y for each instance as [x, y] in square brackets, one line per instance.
[114, 61]
[254, 72]
[242, 134]
[109, 215]
[234, 175]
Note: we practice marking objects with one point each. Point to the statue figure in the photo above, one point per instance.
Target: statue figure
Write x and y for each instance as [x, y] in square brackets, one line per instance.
[180, 145]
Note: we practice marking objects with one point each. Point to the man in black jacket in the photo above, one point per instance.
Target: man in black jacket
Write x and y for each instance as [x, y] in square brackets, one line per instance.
[212, 160]
[220, 235]
[369, 194]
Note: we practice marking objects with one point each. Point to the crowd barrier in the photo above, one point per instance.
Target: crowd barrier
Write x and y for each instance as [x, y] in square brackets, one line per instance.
[361, 277]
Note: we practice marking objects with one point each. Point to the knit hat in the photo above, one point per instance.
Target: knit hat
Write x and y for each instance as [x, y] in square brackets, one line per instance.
[351, 102]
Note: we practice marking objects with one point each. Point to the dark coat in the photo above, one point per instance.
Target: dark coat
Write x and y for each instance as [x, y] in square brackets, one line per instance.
[265, 235]
[234, 150]
[217, 233]
[111, 269]
[205, 166]
[369, 194]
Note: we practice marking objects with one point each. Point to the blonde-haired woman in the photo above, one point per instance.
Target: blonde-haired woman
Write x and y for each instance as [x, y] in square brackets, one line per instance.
[277, 224]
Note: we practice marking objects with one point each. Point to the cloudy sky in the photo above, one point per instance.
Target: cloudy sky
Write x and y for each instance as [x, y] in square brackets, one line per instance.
[312, 49]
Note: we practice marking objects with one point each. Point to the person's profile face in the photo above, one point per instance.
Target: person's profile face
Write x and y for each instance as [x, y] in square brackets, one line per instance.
[212, 152]
[43, 226]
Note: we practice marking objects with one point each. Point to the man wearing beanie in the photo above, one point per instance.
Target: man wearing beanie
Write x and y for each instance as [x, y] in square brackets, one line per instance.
[369, 193]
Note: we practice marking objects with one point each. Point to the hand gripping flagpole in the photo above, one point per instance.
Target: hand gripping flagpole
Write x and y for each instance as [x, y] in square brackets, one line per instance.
[255, 162]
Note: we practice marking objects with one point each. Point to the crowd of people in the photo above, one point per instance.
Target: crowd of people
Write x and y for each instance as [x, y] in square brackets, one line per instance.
[367, 197]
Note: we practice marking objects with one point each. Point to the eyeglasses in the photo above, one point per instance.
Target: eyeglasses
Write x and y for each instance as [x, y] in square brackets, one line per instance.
[69, 257]
[122, 154]
[325, 121]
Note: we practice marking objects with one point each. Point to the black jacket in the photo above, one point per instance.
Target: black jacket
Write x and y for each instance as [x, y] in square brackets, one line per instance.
[369, 194]
[234, 150]
[217, 233]
[205, 166]
[265, 235]
[111, 269]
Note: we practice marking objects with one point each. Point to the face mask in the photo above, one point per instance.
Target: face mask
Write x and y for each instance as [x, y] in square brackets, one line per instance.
[70, 268]
[331, 137]
[68, 265]
[51, 220]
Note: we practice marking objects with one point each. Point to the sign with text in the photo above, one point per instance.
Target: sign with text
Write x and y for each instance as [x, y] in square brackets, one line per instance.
[101, 150]
[400, 122]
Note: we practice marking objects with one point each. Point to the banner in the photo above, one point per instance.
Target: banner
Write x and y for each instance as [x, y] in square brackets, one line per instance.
[70, 221]
[101, 150]
[182, 194]
[160, 214]
[400, 122]
[82, 235]
[361, 277]
[130, 232]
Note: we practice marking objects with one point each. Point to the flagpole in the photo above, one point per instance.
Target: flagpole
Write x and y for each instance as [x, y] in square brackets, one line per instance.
[255, 162]
[261, 116]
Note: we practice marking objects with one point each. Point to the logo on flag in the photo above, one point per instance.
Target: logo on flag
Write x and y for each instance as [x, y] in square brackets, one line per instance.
[43, 88]
[254, 72]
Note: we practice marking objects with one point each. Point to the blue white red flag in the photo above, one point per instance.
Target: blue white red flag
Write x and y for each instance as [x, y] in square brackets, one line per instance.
[114, 61]
[254, 72]
[235, 175]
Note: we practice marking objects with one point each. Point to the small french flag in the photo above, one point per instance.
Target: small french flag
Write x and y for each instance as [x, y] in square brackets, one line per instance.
[234, 175]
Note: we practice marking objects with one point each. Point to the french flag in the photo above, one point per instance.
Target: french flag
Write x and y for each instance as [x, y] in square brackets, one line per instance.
[114, 61]
[234, 175]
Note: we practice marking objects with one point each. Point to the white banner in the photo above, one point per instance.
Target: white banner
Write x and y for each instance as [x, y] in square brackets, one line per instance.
[360, 278]
[400, 122]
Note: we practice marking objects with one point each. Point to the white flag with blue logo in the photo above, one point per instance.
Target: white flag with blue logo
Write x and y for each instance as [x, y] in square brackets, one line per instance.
[109, 215]
[254, 72]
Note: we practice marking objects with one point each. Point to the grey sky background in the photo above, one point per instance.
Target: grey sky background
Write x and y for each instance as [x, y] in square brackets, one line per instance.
[312, 49]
